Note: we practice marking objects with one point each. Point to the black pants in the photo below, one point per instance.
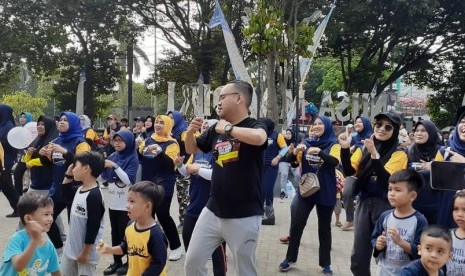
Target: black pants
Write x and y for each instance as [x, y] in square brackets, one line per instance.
[218, 256]
[54, 232]
[167, 222]
[300, 211]
[8, 189]
[18, 175]
[118, 221]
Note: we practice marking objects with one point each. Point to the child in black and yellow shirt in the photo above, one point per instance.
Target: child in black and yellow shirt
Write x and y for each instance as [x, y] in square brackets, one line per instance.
[145, 242]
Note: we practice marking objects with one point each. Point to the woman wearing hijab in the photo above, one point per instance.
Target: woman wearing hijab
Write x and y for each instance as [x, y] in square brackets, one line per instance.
[20, 169]
[276, 149]
[372, 166]
[7, 122]
[199, 169]
[149, 127]
[41, 174]
[24, 118]
[284, 166]
[455, 153]
[318, 155]
[182, 183]
[363, 130]
[92, 138]
[158, 153]
[60, 154]
[420, 154]
[120, 173]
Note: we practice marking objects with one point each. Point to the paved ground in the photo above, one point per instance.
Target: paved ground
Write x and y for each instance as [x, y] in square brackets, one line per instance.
[269, 253]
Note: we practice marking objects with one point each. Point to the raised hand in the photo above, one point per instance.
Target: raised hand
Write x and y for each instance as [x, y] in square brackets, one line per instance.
[345, 139]
[195, 125]
[381, 241]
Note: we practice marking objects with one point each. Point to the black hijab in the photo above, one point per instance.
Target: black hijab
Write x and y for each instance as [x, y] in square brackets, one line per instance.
[384, 148]
[428, 150]
[51, 132]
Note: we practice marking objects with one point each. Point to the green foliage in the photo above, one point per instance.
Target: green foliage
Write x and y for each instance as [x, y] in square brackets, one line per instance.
[25, 102]
[403, 35]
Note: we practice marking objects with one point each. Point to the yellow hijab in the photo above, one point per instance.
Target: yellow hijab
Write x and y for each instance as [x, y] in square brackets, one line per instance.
[166, 136]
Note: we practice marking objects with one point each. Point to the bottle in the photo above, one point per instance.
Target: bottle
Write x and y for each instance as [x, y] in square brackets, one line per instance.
[290, 190]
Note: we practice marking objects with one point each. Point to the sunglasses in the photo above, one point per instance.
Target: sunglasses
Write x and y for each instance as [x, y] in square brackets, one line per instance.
[387, 127]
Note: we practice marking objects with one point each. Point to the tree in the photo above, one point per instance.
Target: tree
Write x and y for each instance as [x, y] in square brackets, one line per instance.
[23, 101]
[404, 36]
[267, 31]
[42, 32]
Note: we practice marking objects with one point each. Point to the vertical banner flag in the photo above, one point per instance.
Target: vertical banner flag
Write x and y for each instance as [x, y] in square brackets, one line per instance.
[171, 86]
[235, 57]
[80, 93]
[307, 62]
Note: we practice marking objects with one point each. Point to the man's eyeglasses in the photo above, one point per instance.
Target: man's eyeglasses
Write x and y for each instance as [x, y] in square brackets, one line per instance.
[222, 97]
[387, 127]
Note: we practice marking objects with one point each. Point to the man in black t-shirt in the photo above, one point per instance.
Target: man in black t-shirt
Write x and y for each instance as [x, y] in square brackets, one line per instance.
[234, 211]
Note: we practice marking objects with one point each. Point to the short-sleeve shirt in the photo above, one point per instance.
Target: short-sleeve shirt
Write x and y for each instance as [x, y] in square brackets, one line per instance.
[43, 261]
[393, 257]
[416, 268]
[237, 174]
[456, 266]
[146, 250]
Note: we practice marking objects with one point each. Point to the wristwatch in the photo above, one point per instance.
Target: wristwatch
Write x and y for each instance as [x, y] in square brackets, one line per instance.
[227, 129]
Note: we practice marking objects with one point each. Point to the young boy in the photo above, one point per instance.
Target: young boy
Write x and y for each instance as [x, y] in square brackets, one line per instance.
[144, 243]
[86, 219]
[397, 231]
[435, 251]
[29, 251]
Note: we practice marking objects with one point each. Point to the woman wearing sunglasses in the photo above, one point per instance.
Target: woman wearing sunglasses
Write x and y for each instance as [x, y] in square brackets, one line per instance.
[379, 159]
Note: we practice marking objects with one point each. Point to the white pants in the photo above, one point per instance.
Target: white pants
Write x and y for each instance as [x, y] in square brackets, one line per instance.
[210, 231]
[71, 267]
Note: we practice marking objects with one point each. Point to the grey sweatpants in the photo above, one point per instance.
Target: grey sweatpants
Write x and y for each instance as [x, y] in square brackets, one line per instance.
[241, 235]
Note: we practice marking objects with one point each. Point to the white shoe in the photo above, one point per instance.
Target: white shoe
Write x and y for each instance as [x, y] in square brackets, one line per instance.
[175, 254]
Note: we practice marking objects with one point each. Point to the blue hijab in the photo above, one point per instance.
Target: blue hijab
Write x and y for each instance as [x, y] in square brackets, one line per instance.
[366, 132]
[74, 130]
[327, 139]
[126, 159]
[455, 143]
[28, 116]
[180, 124]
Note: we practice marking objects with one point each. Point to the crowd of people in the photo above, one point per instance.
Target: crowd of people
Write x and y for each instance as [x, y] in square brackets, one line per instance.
[224, 172]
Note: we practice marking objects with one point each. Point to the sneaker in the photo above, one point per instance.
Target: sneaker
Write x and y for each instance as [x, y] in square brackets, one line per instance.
[347, 226]
[286, 265]
[111, 269]
[175, 254]
[326, 272]
[123, 270]
[268, 221]
[282, 195]
[284, 239]
[13, 215]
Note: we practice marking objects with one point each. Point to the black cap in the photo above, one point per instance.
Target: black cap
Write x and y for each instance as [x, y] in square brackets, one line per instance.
[139, 118]
[393, 117]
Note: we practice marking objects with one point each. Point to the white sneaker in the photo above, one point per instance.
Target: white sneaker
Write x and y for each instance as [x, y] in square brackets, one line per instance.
[175, 254]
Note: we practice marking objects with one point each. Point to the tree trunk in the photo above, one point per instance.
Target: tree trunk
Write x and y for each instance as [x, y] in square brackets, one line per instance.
[272, 107]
